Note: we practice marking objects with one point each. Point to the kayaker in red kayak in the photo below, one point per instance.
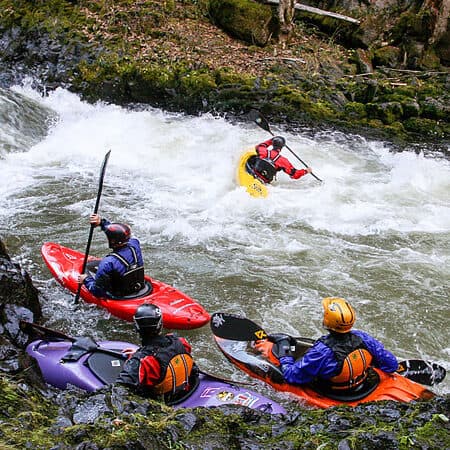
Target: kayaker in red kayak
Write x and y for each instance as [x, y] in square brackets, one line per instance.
[163, 365]
[340, 361]
[269, 161]
[121, 273]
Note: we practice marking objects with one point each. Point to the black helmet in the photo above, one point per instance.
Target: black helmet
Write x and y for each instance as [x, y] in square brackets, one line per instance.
[148, 319]
[117, 234]
[278, 142]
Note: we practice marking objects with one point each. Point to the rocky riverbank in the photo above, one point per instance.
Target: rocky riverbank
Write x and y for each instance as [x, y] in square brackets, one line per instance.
[381, 79]
[34, 415]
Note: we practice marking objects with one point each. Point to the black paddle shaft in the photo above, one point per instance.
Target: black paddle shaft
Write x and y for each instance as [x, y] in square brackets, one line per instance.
[48, 333]
[91, 231]
[261, 121]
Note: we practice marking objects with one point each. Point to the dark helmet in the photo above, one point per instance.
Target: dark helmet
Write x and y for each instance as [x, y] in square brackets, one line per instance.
[117, 234]
[278, 142]
[148, 319]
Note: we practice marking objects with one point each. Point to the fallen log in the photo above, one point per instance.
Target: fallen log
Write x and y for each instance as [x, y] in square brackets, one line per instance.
[317, 11]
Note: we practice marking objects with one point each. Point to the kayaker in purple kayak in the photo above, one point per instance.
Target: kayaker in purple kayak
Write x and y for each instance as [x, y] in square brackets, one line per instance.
[121, 273]
[163, 366]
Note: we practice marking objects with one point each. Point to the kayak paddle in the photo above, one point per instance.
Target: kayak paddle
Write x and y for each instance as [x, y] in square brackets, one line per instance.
[238, 328]
[261, 121]
[47, 333]
[91, 231]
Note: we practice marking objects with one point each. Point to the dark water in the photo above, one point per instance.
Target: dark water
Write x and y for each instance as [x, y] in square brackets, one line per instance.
[376, 232]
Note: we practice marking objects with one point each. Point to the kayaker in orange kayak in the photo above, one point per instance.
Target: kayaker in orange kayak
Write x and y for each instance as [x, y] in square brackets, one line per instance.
[340, 361]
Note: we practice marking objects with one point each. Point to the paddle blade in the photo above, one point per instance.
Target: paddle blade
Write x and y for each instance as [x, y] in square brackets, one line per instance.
[260, 120]
[236, 328]
[422, 372]
[33, 329]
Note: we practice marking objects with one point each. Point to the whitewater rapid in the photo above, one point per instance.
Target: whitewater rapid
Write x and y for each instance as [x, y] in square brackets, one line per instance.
[376, 231]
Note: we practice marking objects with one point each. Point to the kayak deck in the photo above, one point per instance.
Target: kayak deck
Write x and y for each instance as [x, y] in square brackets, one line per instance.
[93, 369]
[179, 310]
[253, 186]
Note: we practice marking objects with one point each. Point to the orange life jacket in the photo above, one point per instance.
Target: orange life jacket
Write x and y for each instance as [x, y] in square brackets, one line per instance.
[176, 366]
[353, 359]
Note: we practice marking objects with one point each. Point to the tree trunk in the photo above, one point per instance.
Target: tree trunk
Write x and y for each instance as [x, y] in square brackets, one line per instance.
[286, 11]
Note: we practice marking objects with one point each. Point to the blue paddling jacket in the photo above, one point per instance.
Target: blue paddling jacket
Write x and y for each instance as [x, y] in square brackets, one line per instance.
[112, 268]
[322, 362]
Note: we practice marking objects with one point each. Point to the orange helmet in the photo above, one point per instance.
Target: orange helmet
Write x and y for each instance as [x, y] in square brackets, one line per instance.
[338, 314]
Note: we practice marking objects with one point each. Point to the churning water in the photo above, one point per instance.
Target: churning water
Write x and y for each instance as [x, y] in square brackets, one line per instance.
[376, 232]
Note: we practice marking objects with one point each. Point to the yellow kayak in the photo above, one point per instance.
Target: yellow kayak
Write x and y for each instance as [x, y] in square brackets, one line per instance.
[254, 187]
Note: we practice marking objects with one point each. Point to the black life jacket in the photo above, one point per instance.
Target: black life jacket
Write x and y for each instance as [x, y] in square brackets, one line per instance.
[132, 281]
[177, 367]
[265, 167]
[353, 360]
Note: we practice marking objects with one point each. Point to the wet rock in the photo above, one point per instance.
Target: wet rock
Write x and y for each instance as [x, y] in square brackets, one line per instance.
[187, 420]
[383, 440]
[91, 409]
[16, 287]
[344, 445]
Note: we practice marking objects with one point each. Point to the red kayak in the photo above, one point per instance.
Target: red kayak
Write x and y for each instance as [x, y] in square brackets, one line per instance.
[179, 310]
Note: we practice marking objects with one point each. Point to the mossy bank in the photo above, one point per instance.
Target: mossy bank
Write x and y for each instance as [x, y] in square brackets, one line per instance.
[36, 416]
[176, 55]
[114, 419]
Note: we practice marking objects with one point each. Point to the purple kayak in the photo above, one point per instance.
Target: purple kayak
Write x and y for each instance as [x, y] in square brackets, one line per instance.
[90, 366]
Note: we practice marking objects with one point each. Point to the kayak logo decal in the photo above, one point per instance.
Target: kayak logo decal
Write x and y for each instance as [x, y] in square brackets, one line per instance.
[69, 256]
[243, 399]
[218, 321]
[260, 334]
[225, 396]
[256, 187]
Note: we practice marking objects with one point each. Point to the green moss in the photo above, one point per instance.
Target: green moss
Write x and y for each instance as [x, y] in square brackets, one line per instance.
[194, 83]
[433, 434]
[424, 127]
[54, 16]
[355, 110]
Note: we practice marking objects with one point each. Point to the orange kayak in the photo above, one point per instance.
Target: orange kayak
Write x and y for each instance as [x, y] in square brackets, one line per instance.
[245, 356]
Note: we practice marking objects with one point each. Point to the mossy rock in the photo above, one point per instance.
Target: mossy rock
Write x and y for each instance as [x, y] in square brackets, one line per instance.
[388, 113]
[355, 111]
[247, 20]
[425, 127]
[387, 56]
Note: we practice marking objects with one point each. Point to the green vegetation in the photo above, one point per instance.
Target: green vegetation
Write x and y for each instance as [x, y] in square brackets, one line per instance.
[172, 54]
[31, 420]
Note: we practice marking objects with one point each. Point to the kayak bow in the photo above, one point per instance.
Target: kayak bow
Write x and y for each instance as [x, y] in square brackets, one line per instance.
[179, 311]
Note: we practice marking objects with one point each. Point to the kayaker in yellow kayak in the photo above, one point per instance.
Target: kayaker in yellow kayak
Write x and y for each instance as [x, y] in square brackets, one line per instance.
[269, 161]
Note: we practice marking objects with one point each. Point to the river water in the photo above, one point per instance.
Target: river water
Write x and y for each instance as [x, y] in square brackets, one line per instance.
[376, 232]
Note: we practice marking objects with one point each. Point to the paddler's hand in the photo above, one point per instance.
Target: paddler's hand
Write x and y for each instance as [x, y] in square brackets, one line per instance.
[95, 220]
[308, 169]
[81, 278]
[129, 352]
